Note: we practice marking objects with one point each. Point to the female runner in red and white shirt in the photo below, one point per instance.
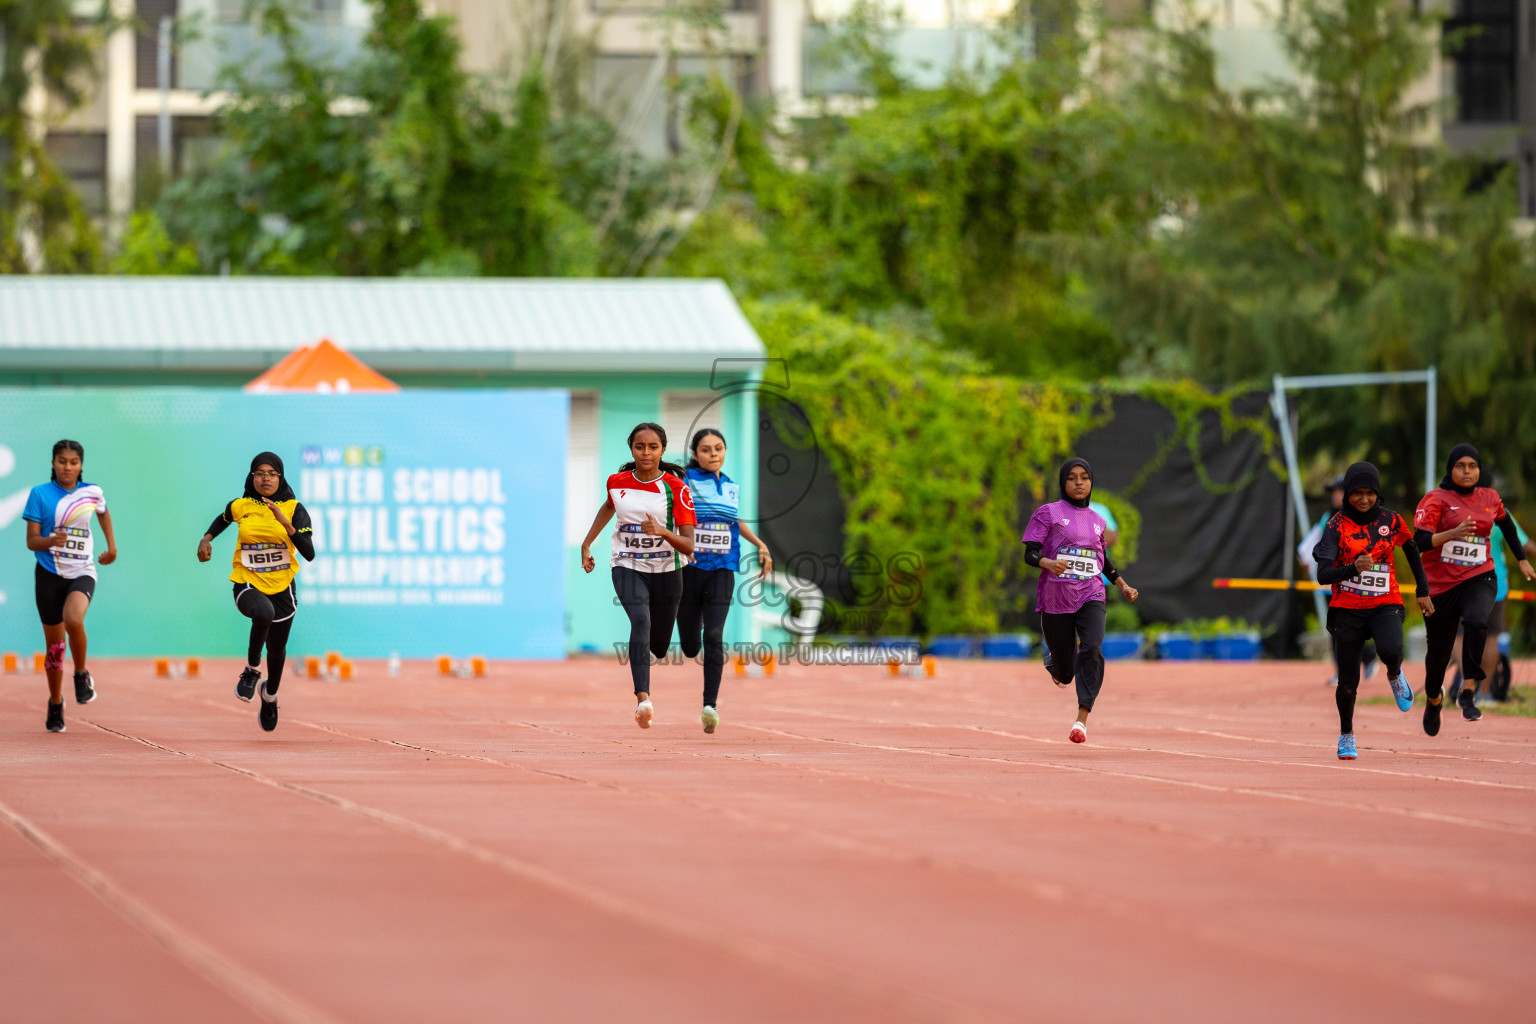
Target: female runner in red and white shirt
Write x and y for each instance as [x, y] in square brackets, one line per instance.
[1453, 527]
[650, 542]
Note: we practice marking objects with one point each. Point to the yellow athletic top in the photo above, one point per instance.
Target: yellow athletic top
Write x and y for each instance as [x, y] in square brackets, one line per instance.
[265, 554]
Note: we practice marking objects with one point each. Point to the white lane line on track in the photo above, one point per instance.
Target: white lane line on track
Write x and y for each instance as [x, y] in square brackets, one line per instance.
[255, 994]
[1407, 812]
[1477, 890]
[888, 996]
[1382, 731]
[1378, 771]
[1435, 984]
[748, 757]
[1353, 769]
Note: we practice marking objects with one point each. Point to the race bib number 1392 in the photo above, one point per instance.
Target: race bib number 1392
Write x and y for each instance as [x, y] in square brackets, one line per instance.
[1082, 563]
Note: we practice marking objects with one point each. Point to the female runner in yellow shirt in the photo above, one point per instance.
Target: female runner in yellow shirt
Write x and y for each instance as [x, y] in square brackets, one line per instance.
[272, 527]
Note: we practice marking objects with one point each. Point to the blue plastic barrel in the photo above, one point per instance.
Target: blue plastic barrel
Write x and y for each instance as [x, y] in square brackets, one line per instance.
[1118, 646]
[951, 646]
[1178, 646]
[1235, 646]
[1007, 645]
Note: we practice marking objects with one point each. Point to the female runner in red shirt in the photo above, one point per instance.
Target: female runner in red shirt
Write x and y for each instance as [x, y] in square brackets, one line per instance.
[653, 537]
[1355, 556]
[1453, 527]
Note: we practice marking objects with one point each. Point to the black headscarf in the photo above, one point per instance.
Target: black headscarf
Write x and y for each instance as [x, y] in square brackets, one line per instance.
[1061, 481]
[284, 492]
[1458, 453]
[1360, 475]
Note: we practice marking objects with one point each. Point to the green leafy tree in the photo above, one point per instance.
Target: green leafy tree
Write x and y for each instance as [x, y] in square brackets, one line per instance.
[1315, 226]
[399, 164]
[43, 225]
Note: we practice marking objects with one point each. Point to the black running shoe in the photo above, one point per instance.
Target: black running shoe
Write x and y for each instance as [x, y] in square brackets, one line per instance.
[1432, 717]
[1469, 709]
[85, 688]
[268, 709]
[245, 689]
[55, 721]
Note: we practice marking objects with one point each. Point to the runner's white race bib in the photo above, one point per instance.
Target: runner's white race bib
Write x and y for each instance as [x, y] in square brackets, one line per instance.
[634, 542]
[1468, 552]
[77, 545]
[1082, 563]
[1374, 582]
[712, 539]
[265, 557]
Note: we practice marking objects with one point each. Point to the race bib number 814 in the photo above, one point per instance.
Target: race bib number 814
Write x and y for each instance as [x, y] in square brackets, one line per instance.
[1470, 551]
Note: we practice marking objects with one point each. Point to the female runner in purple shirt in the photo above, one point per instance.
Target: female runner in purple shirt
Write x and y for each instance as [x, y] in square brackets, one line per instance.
[1065, 540]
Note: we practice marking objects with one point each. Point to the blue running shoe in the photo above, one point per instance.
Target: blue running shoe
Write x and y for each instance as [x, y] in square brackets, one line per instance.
[1402, 691]
[1347, 746]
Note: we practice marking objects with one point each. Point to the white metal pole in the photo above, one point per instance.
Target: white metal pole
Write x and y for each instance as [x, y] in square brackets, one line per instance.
[1431, 429]
[163, 80]
[1293, 470]
[120, 127]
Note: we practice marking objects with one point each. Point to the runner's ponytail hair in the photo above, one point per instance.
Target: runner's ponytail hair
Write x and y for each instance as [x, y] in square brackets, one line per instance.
[65, 445]
[698, 439]
[661, 434]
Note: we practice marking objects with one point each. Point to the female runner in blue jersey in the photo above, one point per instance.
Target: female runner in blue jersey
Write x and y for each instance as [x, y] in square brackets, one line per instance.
[58, 516]
[710, 580]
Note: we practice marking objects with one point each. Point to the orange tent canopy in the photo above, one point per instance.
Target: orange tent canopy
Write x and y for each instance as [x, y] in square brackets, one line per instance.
[325, 367]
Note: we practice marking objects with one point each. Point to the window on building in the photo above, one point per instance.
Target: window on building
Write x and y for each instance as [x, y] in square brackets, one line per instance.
[82, 156]
[626, 88]
[146, 43]
[647, 6]
[683, 412]
[1483, 36]
[584, 476]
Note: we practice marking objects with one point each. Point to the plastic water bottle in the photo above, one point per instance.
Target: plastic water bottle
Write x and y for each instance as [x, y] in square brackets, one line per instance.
[394, 663]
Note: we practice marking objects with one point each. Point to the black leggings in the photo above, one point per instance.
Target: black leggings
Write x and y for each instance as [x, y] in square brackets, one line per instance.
[261, 609]
[650, 600]
[1352, 629]
[701, 618]
[1469, 605]
[1075, 641]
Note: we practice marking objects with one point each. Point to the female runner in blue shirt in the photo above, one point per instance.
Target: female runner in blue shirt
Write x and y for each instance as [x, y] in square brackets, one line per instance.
[58, 517]
[710, 580]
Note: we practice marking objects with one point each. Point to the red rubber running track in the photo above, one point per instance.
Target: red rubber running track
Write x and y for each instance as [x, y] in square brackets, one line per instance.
[849, 847]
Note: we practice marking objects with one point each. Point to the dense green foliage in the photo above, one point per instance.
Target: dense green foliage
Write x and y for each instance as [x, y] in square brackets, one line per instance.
[1148, 222]
[399, 164]
[967, 440]
[43, 226]
[959, 274]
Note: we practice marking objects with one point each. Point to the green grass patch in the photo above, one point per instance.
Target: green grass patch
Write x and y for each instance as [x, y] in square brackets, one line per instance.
[1521, 703]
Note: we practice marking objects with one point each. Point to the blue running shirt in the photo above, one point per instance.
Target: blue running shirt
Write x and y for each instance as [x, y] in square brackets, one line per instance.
[51, 507]
[717, 537]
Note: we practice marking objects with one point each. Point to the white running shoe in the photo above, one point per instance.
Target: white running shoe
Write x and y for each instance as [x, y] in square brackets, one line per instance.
[643, 713]
[1079, 733]
[711, 719]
